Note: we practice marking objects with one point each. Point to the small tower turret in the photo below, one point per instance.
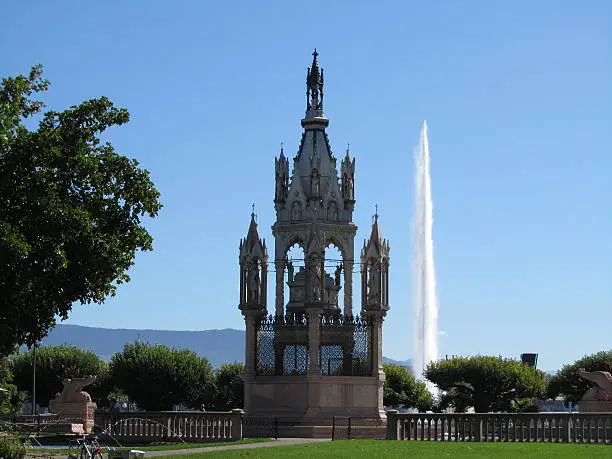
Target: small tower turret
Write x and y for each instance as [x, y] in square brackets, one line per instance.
[347, 178]
[375, 272]
[253, 269]
[281, 167]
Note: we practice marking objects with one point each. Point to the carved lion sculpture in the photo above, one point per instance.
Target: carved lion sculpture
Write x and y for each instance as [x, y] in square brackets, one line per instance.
[73, 389]
[603, 381]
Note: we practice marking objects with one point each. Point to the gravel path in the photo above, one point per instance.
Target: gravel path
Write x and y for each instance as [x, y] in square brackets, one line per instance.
[264, 444]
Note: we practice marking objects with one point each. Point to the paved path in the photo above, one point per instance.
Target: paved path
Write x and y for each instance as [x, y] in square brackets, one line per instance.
[263, 444]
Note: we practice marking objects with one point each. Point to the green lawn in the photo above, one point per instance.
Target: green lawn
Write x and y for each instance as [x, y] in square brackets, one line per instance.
[421, 450]
[157, 447]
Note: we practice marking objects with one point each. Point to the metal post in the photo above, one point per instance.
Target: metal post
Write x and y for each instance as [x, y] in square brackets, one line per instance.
[34, 381]
[333, 428]
[276, 427]
[348, 433]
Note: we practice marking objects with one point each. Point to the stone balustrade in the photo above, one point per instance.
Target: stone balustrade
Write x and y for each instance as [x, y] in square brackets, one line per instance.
[168, 426]
[501, 427]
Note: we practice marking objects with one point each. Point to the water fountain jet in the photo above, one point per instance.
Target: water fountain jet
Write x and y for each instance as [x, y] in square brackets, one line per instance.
[424, 275]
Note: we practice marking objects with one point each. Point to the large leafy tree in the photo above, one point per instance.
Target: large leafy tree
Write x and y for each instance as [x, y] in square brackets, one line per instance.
[487, 383]
[229, 387]
[70, 209]
[568, 383]
[53, 365]
[402, 390]
[157, 377]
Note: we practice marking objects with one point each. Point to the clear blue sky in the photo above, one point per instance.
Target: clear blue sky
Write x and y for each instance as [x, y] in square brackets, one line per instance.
[518, 97]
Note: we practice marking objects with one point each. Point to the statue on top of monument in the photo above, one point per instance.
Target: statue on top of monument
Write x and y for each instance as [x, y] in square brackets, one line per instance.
[253, 283]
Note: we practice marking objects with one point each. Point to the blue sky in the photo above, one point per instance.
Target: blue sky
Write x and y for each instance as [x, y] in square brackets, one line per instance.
[518, 97]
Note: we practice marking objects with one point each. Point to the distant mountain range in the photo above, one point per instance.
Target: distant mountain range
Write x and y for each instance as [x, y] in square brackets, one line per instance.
[218, 346]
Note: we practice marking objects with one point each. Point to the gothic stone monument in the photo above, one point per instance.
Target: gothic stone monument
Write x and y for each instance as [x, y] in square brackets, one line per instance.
[74, 404]
[599, 397]
[311, 360]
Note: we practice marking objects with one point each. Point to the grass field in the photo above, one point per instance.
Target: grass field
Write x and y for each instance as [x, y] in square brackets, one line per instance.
[421, 450]
[158, 447]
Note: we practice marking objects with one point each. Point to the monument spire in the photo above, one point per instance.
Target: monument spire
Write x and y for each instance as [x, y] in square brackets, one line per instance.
[314, 88]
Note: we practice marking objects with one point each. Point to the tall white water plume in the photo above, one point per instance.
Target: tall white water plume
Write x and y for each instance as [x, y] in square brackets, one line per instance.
[425, 299]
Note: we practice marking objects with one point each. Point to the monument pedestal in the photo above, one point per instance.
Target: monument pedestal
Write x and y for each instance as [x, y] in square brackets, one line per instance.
[73, 405]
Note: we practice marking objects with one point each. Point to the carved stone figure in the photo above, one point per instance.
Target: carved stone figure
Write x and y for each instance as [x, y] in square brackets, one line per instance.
[280, 187]
[337, 273]
[315, 278]
[296, 211]
[290, 270]
[373, 285]
[315, 183]
[598, 398]
[332, 211]
[253, 283]
[73, 390]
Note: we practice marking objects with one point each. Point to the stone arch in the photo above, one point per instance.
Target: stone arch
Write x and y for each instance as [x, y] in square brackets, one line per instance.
[333, 239]
[291, 241]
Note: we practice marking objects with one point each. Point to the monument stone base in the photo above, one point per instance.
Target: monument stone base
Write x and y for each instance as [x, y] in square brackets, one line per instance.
[595, 406]
[313, 406]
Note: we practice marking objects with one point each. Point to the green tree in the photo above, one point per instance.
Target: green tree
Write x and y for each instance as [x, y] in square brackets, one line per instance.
[157, 377]
[53, 365]
[70, 209]
[487, 383]
[10, 402]
[229, 387]
[401, 390]
[568, 383]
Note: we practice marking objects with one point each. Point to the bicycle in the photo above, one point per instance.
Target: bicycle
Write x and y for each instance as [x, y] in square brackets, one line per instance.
[86, 448]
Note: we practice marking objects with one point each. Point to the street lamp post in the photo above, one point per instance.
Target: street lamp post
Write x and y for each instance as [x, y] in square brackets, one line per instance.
[34, 381]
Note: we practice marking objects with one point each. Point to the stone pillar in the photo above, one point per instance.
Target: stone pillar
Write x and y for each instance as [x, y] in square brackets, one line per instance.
[314, 340]
[375, 320]
[237, 415]
[393, 425]
[348, 288]
[280, 287]
[250, 344]
[264, 286]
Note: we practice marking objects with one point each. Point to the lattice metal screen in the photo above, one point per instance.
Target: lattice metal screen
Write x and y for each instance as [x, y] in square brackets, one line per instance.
[361, 350]
[295, 359]
[347, 348]
[281, 345]
[332, 360]
[265, 346]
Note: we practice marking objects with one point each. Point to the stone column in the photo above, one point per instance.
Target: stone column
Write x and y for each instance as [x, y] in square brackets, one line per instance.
[237, 424]
[314, 340]
[280, 286]
[348, 288]
[250, 344]
[375, 320]
[393, 425]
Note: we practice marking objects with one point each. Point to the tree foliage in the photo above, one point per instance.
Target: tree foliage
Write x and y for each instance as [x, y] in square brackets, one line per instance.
[70, 209]
[229, 387]
[157, 377]
[488, 384]
[10, 401]
[568, 383]
[402, 390]
[53, 365]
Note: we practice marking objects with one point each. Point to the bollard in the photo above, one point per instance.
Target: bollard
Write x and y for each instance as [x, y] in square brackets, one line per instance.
[237, 415]
[392, 425]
